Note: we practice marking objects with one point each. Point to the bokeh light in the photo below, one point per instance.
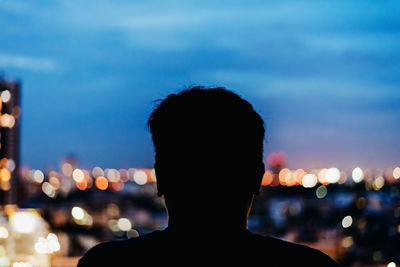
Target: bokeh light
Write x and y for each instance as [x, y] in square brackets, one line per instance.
[357, 175]
[347, 221]
[82, 185]
[3, 232]
[5, 175]
[321, 191]
[67, 169]
[48, 189]
[309, 180]
[101, 183]
[24, 222]
[78, 213]
[267, 178]
[22, 264]
[97, 171]
[378, 183]
[38, 176]
[7, 120]
[396, 173]
[153, 176]
[5, 96]
[140, 177]
[124, 224]
[347, 241]
[332, 175]
[78, 175]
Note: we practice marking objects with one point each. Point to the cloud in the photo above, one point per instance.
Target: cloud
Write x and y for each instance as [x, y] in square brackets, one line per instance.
[26, 63]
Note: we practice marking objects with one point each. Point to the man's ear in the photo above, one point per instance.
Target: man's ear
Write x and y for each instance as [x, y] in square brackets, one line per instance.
[259, 174]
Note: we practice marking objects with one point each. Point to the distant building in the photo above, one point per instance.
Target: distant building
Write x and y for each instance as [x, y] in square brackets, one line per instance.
[10, 112]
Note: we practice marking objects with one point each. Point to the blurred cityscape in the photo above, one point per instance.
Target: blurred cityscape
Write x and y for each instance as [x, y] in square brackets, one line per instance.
[52, 217]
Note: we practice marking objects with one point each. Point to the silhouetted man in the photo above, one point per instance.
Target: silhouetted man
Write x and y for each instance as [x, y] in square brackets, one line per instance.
[209, 165]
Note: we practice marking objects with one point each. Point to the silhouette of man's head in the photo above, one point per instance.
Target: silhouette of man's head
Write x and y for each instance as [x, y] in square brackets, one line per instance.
[208, 149]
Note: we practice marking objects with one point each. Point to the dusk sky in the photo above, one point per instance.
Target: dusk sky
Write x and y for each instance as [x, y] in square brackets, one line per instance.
[324, 75]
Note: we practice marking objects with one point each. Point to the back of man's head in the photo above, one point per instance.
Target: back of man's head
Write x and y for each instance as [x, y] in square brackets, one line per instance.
[207, 141]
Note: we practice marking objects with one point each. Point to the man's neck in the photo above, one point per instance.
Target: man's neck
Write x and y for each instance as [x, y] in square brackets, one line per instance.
[211, 225]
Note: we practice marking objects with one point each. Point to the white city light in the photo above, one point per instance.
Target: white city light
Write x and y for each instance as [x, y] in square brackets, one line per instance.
[357, 175]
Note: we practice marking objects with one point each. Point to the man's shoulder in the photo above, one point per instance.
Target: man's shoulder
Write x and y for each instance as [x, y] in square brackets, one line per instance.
[165, 246]
[283, 252]
[120, 250]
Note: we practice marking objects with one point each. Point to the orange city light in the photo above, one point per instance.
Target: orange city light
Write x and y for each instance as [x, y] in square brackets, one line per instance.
[101, 183]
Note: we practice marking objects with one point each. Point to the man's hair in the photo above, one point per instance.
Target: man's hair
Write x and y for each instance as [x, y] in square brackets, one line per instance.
[206, 134]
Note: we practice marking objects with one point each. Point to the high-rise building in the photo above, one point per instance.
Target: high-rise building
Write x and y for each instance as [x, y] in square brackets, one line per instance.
[10, 112]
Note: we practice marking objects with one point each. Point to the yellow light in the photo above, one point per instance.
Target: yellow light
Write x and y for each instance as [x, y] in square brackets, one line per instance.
[3, 232]
[5, 186]
[78, 213]
[347, 221]
[22, 264]
[378, 183]
[357, 175]
[52, 241]
[391, 264]
[78, 175]
[309, 180]
[5, 175]
[153, 175]
[52, 236]
[5, 96]
[396, 173]
[4, 260]
[140, 177]
[24, 222]
[41, 246]
[347, 241]
[124, 224]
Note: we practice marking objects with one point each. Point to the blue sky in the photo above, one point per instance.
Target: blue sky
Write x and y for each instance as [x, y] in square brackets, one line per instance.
[325, 76]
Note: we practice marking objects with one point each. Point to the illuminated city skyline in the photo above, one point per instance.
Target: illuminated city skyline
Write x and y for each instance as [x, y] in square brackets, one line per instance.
[324, 78]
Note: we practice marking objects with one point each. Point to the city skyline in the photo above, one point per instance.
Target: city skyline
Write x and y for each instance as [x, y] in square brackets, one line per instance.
[325, 78]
